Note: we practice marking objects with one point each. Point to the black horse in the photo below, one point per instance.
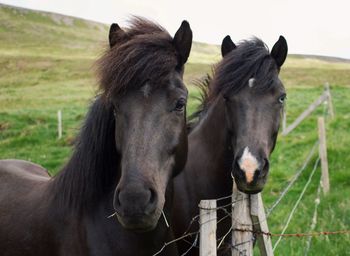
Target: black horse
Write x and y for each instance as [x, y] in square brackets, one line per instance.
[132, 144]
[235, 132]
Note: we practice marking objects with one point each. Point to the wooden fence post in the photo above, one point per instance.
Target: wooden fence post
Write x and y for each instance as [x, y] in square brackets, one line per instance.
[59, 125]
[307, 112]
[329, 100]
[284, 120]
[323, 154]
[207, 221]
[260, 224]
[242, 242]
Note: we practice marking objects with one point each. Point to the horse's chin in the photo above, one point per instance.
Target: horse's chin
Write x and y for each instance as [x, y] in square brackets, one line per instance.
[250, 189]
[250, 192]
[139, 224]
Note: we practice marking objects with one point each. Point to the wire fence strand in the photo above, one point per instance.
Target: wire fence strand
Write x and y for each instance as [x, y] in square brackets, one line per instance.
[193, 243]
[293, 180]
[297, 203]
[314, 218]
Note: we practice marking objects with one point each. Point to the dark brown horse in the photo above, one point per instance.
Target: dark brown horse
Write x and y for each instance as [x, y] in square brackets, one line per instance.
[235, 132]
[132, 144]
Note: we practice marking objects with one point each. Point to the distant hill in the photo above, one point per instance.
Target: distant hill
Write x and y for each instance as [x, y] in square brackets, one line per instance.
[30, 30]
[319, 57]
[28, 35]
[41, 33]
[46, 33]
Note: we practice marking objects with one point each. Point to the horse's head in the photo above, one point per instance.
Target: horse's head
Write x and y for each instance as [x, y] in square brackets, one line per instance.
[145, 86]
[254, 103]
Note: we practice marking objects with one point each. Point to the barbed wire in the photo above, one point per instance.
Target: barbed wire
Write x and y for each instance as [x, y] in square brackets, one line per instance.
[297, 203]
[228, 214]
[308, 234]
[293, 180]
[195, 219]
[174, 241]
[223, 237]
[192, 245]
[314, 217]
[223, 208]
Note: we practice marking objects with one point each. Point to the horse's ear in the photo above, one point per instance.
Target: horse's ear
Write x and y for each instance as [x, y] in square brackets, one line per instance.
[114, 34]
[279, 51]
[227, 46]
[183, 42]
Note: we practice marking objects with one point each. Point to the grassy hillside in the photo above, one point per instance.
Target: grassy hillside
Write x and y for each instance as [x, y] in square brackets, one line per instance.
[46, 64]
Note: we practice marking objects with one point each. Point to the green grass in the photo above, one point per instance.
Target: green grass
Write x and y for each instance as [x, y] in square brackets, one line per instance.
[46, 65]
[291, 151]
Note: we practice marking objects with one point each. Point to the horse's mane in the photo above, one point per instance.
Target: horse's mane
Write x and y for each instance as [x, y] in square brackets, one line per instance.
[143, 52]
[251, 59]
[92, 169]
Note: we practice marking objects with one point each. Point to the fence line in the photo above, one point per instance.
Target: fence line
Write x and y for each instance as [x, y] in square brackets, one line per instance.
[323, 154]
[242, 242]
[253, 224]
[59, 124]
[314, 218]
[294, 179]
[329, 100]
[296, 204]
[260, 224]
[325, 97]
[307, 234]
[207, 223]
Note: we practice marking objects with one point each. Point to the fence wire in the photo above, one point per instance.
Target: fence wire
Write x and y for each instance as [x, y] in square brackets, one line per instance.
[195, 219]
[314, 218]
[227, 213]
[294, 179]
[297, 203]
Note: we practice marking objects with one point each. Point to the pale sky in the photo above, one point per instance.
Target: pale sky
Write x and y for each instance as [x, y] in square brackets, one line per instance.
[319, 27]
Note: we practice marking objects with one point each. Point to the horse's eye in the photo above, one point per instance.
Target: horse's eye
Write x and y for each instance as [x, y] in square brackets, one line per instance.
[180, 105]
[282, 99]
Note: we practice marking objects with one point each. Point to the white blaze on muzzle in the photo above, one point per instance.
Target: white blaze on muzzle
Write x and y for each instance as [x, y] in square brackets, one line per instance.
[249, 164]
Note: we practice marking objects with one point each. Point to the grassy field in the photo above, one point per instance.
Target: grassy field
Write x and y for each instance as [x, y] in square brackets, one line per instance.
[46, 64]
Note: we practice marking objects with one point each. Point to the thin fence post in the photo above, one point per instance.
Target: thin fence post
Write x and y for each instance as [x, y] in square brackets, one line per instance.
[284, 120]
[329, 100]
[258, 215]
[207, 221]
[59, 125]
[323, 154]
[242, 241]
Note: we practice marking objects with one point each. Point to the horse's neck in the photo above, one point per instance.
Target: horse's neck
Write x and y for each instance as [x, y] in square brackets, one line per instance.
[93, 168]
[209, 162]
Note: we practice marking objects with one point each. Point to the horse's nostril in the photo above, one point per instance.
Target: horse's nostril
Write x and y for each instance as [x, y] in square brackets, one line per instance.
[257, 172]
[135, 200]
[152, 203]
[266, 165]
[153, 196]
[116, 199]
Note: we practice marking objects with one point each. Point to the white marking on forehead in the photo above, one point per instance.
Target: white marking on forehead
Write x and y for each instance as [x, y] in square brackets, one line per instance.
[251, 82]
[146, 89]
[249, 164]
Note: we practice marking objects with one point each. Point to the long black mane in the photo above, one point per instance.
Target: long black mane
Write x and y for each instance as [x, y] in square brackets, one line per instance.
[251, 59]
[92, 169]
